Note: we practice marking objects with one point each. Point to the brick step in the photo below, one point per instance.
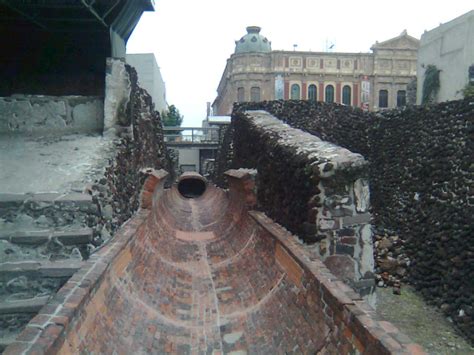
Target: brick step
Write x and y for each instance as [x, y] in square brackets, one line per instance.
[31, 305]
[55, 206]
[38, 269]
[70, 237]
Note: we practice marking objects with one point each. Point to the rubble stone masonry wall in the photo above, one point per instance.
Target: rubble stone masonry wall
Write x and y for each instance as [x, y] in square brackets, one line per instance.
[141, 146]
[316, 189]
[421, 184]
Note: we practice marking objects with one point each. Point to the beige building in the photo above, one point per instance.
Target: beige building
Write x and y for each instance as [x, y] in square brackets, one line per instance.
[372, 81]
[450, 47]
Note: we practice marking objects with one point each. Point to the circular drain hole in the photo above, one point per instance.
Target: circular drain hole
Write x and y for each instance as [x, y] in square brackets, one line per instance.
[191, 187]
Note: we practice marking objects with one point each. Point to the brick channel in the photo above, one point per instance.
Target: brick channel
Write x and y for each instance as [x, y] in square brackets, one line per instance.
[206, 275]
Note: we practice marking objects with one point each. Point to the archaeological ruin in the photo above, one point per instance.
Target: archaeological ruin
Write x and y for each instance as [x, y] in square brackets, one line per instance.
[106, 249]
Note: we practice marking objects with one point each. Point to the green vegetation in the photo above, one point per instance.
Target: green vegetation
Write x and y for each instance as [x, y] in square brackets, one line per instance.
[468, 91]
[431, 84]
[172, 117]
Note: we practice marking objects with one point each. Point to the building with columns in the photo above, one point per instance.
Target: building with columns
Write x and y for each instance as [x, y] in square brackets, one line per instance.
[372, 81]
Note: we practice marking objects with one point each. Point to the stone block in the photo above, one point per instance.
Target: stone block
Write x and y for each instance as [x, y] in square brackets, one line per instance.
[362, 195]
[362, 218]
[342, 266]
[344, 249]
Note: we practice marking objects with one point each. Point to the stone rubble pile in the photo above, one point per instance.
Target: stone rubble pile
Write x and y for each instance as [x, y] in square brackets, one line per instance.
[391, 261]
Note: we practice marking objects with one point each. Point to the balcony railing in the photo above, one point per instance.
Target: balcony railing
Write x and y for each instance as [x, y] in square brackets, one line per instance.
[191, 135]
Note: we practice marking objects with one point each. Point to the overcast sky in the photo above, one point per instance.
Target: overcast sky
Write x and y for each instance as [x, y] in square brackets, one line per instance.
[192, 39]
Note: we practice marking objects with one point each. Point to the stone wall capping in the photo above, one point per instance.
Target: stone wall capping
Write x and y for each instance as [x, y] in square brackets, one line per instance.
[321, 152]
[240, 173]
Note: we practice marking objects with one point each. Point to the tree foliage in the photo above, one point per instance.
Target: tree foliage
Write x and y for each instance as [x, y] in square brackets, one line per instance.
[172, 117]
[468, 91]
[431, 84]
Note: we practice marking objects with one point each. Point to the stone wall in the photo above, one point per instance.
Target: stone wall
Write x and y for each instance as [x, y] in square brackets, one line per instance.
[314, 188]
[38, 114]
[141, 146]
[421, 186]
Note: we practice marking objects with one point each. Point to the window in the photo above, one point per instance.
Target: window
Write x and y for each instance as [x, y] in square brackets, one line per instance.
[255, 94]
[383, 98]
[312, 92]
[330, 94]
[338, 64]
[401, 98]
[240, 94]
[346, 95]
[295, 92]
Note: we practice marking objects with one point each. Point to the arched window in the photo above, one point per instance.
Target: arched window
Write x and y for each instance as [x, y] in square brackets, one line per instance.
[330, 94]
[295, 92]
[383, 98]
[240, 94]
[401, 98]
[312, 92]
[255, 94]
[346, 95]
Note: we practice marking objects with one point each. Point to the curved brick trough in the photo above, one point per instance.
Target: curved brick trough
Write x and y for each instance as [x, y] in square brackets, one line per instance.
[205, 275]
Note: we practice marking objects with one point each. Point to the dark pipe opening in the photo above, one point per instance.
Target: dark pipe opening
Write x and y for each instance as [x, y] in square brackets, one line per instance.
[191, 188]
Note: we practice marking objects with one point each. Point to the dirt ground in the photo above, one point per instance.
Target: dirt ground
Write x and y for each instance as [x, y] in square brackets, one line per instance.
[423, 323]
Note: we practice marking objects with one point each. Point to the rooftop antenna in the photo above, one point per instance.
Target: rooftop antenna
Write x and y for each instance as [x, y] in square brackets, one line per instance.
[294, 47]
[330, 45]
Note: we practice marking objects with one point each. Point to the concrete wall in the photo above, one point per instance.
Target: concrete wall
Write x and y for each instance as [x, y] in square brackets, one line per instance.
[38, 114]
[451, 48]
[188, 157]
[149, 78]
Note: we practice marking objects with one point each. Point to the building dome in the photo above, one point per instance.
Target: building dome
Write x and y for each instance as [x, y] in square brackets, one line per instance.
[253, 42]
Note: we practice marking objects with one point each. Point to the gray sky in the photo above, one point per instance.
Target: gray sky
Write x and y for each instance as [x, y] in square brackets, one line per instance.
[192, 39]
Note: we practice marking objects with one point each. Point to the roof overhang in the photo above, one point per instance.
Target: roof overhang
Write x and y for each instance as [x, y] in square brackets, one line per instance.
[71, 16]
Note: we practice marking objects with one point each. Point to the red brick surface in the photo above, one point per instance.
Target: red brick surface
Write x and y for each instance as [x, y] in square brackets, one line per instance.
[204, 276]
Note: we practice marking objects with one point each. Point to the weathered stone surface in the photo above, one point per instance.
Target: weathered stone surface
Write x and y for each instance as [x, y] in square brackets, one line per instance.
[118, 88]
[362, 195]
[37, 114]
[70, 237]
[32, 305]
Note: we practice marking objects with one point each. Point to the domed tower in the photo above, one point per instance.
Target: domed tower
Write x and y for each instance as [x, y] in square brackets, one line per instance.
[246, 76]
[253, 42]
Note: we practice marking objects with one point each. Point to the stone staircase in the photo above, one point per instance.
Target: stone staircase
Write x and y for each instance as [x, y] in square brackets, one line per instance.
[44, 238]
